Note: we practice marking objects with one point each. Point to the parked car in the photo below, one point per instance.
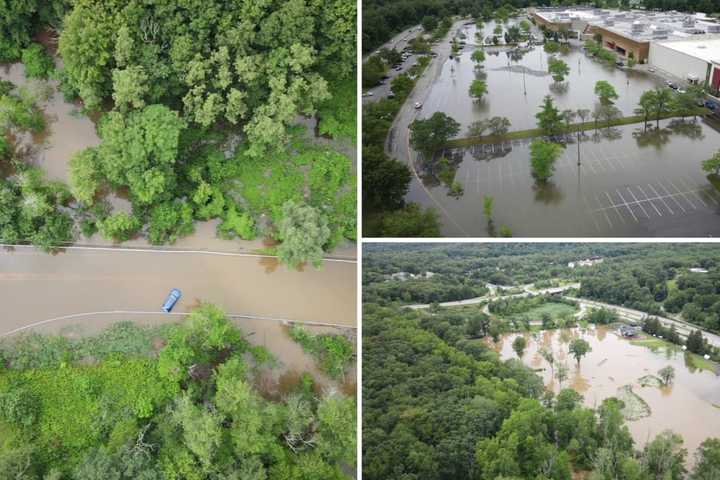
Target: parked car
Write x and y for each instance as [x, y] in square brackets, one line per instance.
[172, 298]
[391, 95]
[711, 105]
[671, 85]
[418, 105]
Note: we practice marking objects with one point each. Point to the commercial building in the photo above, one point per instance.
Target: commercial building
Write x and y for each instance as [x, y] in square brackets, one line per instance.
[626, 32]
[695, 60]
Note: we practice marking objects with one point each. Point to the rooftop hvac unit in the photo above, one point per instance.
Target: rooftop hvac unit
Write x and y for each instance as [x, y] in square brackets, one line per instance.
[688, 21]
[638, 27]
[609, 22]
[713, 28]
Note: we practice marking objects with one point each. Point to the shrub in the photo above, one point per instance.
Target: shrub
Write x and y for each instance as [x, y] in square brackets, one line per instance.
[38, 64]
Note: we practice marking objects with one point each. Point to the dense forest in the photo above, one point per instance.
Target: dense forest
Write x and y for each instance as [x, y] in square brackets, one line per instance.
[196, 105]
[652, 278]
[439, 403]
[190, 401]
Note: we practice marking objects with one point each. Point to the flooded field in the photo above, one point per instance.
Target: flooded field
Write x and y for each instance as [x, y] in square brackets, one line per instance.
[690, 406]
[622, 181]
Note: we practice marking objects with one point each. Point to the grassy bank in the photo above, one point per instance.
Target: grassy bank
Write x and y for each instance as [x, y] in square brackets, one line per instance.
[537, 132]
[654, 343]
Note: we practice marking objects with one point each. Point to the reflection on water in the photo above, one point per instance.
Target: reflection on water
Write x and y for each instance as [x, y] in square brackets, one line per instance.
[685, 407]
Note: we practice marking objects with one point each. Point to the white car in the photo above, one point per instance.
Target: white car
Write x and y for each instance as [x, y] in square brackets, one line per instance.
[418, 105]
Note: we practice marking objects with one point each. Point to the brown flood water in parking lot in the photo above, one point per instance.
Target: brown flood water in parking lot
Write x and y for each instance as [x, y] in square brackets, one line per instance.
[690, 406]
[630, 181]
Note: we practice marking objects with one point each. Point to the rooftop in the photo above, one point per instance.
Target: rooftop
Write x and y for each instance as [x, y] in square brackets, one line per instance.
[705, 47]
[639, 25]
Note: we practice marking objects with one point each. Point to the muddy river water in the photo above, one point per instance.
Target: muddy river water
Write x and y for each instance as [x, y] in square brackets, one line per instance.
[624, 181]
[690, 406]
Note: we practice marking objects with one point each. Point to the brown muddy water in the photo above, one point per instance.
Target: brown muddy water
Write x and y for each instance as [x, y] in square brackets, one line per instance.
[630, 181]
[690, 406]
[67, 131]
[35, 286]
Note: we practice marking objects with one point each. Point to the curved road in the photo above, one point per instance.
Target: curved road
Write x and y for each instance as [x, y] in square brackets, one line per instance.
[35, 286]
[398, 144]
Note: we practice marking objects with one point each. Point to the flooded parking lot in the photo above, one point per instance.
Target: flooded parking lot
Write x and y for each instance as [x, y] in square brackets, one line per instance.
[627, 183]
[622, 181]
[690, 406]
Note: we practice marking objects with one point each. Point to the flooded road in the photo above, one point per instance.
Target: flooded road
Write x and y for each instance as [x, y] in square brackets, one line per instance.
[630, 181]
[690, 406]
[35, 286]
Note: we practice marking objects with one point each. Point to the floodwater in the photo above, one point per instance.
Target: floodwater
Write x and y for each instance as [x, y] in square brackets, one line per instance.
[690, 406]
[67, 131]
[35, 287]
[504, 72]
[628, 183]
[631, 181]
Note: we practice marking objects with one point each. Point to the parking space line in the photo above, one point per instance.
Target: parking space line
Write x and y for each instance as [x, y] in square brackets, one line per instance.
[649, 201]
[662, 199]
[667, 192]
[638, 202]
[614, 207]
[685, 185]
[592, 214]
[681, 193]
[625, 204]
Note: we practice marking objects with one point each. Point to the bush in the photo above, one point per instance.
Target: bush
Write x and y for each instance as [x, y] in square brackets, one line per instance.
[119, 226]
[38, 64]
[334, 352]
[236, 224]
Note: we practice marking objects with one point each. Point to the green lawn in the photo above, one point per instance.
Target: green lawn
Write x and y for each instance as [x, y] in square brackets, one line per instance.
[556, 310]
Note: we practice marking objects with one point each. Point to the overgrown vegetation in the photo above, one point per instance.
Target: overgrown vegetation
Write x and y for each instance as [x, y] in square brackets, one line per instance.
[333, 352]
[185, 95]
[174, 402]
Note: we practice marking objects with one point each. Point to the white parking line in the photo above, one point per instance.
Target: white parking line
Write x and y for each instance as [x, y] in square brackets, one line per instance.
[616, 210]
[647, 197]
[662, 199]
[669, 195]
[625, 204]
[638, 202]
[686, 186]
[684, 196]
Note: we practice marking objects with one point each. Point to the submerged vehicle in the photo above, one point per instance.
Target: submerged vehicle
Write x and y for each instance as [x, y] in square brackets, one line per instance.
[172, 298]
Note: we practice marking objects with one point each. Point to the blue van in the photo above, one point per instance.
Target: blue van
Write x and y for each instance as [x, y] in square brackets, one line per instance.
[171, 300]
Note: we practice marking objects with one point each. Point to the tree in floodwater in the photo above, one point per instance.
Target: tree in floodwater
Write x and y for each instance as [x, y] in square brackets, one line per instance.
[303, 231]
[488, 207]
[549, 118]
[645, 106]
[561, 373]
[605, 92]
[667, 374]
[712, 165]
[429, 135]
[477, 89]
[549, 357]
[542, 158]
[478, 56]
[579, 348]
[519, 345]
[558, 69]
